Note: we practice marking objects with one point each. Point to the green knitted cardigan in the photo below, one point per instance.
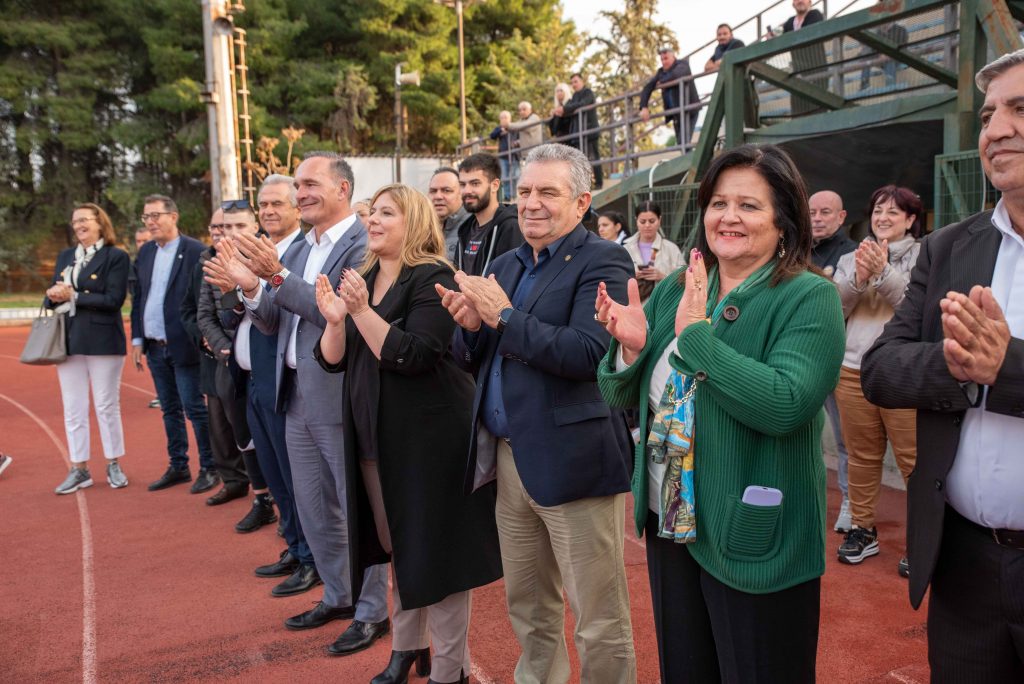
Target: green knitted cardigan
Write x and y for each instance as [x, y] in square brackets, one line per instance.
[762, 381]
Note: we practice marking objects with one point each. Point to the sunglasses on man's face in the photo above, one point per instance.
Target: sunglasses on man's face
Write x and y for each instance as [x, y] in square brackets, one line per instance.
[235, 205]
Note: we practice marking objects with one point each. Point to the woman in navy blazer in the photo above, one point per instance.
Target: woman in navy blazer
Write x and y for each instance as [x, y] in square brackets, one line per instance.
[90, 282]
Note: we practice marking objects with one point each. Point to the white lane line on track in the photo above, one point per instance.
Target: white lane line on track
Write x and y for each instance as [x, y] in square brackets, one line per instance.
[88, 581]
[141, 390]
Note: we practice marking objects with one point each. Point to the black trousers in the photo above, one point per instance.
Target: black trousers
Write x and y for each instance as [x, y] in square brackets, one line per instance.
[976, 609]
[591, 148]
[226, 455]
[710, 632]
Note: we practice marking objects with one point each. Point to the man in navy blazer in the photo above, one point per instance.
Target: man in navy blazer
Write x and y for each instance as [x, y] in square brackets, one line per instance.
[162, 272]
[560, 455]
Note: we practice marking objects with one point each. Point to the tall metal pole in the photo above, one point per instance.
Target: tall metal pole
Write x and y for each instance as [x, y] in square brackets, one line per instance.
[220, 98]
[398, 123]
[462, 71]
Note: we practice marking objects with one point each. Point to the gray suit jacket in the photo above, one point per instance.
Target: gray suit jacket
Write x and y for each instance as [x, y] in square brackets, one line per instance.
[296, 297]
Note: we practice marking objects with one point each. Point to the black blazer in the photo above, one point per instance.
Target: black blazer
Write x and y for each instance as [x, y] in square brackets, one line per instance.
[568, 443]
[179, 343]
[444, 540]
[582, 98]
[96, 328]
[906, 369]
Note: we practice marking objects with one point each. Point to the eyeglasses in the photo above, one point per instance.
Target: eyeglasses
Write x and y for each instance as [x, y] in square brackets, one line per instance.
[155, 215]
[79, 221]
[235, 205]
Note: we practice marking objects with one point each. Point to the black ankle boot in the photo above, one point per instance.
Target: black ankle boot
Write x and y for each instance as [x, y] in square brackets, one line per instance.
[397, 671]
[463, 679]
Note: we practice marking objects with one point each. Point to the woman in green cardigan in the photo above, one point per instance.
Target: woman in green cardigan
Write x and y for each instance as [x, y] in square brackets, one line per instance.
[730, 363]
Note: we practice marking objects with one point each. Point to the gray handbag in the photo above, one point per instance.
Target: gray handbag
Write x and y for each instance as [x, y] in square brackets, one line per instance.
[47, 343]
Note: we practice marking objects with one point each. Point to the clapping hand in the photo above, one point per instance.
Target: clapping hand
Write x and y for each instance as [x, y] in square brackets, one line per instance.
[871, 258]
[332, 307]
[693, 306]
[486, 296]
[58, 293]
[627, 322]
[976, 335]
[258, 254]
[227, 265]
[460, 308]
[353, 291]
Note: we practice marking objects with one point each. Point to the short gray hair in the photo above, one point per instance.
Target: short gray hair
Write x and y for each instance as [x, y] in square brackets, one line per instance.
[339, 167]
[996, 68]
[579, 165]
[279, 179]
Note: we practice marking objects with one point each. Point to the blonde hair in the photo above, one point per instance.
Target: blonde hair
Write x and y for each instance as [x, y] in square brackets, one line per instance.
[424, 241]
[564, 87]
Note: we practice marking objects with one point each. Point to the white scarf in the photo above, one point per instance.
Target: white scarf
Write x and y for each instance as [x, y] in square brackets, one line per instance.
[83, 255]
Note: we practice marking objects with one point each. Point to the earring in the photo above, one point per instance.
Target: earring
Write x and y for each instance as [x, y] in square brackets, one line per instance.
[782, 247]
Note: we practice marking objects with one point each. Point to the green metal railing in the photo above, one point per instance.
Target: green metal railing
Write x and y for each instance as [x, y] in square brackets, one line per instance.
[961, 188]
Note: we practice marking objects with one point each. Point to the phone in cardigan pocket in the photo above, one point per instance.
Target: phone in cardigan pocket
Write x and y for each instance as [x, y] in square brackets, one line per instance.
[756, 495]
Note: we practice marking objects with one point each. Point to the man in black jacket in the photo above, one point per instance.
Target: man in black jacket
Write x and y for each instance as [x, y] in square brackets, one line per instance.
[830, 242]
[491, 228]
[672, 69]
[584, 125]
[808, 58]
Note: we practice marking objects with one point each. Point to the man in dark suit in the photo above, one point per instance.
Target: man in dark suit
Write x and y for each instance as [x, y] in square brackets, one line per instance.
[806, 58]
[955, 351]
[310, 396]
[584, 126]
[541, 427]
[162, 272]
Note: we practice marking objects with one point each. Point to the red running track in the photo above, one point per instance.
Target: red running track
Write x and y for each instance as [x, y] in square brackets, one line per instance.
[130, 585]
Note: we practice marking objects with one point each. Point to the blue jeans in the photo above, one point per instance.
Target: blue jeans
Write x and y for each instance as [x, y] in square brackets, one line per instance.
[178, 389]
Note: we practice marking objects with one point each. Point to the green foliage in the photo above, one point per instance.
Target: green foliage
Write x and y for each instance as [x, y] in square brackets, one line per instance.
[100, 100]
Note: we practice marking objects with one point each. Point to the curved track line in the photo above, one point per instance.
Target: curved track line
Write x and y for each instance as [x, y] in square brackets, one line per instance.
[88, 582]
[141, 390]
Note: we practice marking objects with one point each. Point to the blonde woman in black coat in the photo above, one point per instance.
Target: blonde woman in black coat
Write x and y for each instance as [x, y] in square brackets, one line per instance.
[407, 422]
[90, 282]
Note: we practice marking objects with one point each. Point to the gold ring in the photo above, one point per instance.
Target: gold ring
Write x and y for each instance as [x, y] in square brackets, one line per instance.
[605, 322]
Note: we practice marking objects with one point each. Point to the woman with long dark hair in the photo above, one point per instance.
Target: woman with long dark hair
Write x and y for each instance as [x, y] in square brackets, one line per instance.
[653, 255]
[729, 364]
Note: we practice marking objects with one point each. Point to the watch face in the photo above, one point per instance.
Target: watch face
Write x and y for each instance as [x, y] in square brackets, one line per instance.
[276, 280]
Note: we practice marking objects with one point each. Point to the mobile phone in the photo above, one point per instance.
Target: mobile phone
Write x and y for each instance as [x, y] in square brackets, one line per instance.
[756, 495]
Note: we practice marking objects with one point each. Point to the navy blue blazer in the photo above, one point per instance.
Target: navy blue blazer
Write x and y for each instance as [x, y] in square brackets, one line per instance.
[568, 444]
[96, 328]
[179, 343]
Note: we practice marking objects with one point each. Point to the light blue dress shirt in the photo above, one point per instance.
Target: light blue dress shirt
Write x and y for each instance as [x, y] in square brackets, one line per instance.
[153, 325]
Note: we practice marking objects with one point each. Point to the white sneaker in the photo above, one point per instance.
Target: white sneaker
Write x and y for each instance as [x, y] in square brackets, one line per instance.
[116, 476]
[5, 461]
[78, 478]
[843, 522]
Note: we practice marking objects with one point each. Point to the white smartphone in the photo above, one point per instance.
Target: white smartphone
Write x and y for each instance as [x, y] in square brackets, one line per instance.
[756, 495]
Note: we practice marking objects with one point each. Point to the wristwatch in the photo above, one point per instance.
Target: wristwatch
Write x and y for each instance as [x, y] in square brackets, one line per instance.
[278, 278]
[503, 317]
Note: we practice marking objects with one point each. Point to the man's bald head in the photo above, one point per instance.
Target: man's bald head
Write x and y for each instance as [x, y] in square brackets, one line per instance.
[827, 214]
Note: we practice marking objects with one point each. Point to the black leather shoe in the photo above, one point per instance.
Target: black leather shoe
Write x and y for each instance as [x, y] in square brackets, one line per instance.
[205, 481]
[359, 635]
[262, 513]
[228, 492]
[397, 671]
[463, 679]
[319, 616]
[170, 478]
[282, 567]
[302, 580]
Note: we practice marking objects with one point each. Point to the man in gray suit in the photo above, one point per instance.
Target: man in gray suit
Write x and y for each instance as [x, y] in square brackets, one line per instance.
[311, 397]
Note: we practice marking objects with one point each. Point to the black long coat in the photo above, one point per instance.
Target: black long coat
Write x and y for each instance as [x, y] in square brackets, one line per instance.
[443, 540]
[96, 328]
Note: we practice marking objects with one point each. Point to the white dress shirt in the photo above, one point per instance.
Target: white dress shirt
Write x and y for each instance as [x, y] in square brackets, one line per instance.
[242, 355]
[985, 482]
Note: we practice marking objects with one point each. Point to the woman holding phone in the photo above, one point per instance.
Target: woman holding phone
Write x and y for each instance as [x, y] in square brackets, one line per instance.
[653, 255]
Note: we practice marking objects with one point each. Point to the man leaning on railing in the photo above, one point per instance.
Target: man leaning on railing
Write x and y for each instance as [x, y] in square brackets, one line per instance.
[672, 69]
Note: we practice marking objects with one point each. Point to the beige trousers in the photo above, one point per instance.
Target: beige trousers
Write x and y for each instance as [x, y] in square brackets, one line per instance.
[578, 545]
[445, 623]
[866, 428]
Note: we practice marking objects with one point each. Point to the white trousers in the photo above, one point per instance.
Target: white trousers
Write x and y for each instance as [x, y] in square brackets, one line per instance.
[103, 374]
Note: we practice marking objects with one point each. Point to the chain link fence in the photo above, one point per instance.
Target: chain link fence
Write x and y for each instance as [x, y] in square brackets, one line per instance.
[961, 188]
[680, 215]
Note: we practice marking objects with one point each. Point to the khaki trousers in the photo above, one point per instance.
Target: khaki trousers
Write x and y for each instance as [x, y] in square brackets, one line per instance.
[445, 623]
[865, 430]
[578, 545]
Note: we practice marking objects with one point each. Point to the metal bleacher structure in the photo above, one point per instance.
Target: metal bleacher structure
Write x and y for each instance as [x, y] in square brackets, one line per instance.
[879, 95]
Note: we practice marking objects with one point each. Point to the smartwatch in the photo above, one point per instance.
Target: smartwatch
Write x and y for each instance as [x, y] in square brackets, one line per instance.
[278, 278]
[503, 318]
